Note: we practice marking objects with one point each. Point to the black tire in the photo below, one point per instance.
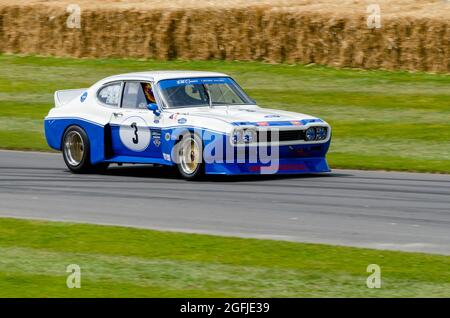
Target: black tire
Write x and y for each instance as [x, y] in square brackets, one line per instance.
[77, 156]
[199, 171]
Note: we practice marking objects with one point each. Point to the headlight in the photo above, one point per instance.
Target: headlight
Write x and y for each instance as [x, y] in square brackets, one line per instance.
[249, 136]
[321, 133]
[310, 134]
[236, 137]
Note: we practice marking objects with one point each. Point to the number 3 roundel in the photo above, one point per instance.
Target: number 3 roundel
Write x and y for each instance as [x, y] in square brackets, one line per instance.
[134, 133]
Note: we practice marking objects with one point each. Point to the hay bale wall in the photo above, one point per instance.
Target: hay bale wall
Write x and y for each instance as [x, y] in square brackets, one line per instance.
[259, 32]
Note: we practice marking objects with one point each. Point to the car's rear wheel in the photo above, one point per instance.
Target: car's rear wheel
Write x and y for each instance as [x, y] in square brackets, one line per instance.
[190, 157]
[76, 151]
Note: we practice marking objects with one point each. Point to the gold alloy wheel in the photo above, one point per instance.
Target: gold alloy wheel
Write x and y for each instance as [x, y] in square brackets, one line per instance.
[189, 155]
[74, 148]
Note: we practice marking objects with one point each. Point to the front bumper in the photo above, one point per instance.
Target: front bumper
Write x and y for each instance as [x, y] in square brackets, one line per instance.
[295, 159]
[281, 166]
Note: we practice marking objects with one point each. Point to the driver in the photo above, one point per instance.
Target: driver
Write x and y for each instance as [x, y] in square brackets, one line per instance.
[148, 91]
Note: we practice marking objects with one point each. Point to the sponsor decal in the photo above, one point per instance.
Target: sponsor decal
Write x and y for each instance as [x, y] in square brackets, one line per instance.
[173, 116]
[280, 123]
[83, 97]
[307, 121]
[182, 120]
[187, 81]
[272, 116]
[167, 136]
[156, 136]
[135, 134]
[166, 156]
[192, 81]
[156, 121]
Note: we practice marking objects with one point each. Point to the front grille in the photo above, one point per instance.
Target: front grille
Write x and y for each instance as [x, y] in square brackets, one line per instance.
[283, 135]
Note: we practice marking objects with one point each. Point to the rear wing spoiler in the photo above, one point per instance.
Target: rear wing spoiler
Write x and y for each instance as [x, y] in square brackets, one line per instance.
[65, 96]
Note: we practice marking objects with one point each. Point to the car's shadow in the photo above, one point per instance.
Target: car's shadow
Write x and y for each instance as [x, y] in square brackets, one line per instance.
[164, 172]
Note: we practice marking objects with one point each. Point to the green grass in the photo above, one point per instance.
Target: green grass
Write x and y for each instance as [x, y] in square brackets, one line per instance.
[381, 120]
[119, 261]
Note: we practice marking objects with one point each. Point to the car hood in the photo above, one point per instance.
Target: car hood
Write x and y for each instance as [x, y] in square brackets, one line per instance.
[244, 114]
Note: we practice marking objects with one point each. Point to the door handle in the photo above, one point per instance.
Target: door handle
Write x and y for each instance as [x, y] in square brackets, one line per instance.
[118, 114]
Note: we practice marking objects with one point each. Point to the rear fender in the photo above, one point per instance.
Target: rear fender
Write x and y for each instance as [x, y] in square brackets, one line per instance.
[55, 129]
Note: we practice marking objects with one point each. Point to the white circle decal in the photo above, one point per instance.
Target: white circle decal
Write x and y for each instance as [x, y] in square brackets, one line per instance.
[134, 133]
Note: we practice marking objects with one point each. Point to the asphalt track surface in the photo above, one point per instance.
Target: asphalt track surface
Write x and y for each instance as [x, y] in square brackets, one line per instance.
[383, 210]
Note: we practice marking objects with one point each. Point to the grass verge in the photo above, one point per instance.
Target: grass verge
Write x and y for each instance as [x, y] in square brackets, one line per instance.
[127, 262]
[381, 120]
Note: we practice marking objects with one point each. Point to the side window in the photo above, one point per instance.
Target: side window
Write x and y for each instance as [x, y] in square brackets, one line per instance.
[110, 95]
[137, 95]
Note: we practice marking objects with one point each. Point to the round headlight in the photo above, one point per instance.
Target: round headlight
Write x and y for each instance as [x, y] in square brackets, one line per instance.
[310, 134]
[321, 133]
[249, 136]
[236, 137]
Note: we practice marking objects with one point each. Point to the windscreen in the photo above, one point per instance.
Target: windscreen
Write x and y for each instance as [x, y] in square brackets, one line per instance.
[198, 92]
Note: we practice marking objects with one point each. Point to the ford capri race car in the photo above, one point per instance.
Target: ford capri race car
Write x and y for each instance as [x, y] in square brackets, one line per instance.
[198, 122]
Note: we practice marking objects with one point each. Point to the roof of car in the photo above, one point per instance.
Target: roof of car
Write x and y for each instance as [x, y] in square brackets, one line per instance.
[157, 76]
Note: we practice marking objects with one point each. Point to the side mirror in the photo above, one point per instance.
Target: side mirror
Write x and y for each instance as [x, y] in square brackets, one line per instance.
[154, 108]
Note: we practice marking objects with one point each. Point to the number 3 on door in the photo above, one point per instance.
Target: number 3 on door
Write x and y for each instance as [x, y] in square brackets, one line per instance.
[136, 137]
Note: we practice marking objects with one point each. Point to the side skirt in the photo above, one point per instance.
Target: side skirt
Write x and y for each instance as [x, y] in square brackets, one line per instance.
[131, 159]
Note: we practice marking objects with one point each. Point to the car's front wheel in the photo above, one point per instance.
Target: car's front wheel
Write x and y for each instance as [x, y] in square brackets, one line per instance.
[76, 151]
[190, 157]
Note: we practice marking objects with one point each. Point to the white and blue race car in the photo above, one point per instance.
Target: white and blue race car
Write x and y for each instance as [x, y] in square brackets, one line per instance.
[199, 122]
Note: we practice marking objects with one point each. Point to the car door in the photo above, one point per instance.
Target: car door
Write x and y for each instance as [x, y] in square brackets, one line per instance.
[135, 130]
